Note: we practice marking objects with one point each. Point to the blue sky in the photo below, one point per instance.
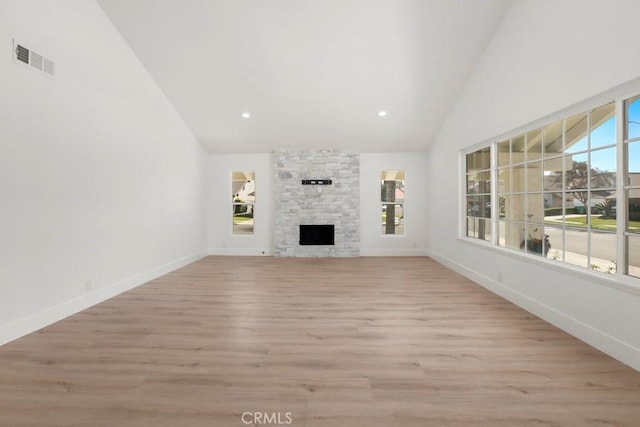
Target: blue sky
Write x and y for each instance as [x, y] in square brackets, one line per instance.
[634, 132]
[605, 135]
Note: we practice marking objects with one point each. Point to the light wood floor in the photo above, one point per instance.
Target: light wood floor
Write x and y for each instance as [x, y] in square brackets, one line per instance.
[334, 342]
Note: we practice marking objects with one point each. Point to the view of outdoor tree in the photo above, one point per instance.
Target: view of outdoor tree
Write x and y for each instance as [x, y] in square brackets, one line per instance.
[577, 181]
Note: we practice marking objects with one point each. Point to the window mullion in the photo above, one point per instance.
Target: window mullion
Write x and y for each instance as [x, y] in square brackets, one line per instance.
[589, 195]
[622, 267]
[494, 193]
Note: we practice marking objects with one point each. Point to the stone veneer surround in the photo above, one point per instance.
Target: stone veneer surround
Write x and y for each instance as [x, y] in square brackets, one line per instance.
[337, 204]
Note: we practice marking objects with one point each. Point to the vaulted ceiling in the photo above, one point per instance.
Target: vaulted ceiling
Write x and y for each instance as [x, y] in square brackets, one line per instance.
[310, 73]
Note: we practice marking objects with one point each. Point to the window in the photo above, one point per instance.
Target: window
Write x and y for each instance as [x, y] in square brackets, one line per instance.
[392, 188]
[559, 190]
[243, 197]
[478, 194]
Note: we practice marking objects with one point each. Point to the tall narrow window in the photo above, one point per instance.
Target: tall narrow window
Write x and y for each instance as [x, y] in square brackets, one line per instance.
[392, 189]
[478, 194]
[632, 184]
[243, 197]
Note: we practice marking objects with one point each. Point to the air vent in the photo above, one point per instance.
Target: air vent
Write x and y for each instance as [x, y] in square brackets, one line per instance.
[35, 60]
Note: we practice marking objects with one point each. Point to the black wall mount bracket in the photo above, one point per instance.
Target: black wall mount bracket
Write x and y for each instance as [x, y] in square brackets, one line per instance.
[317, 182]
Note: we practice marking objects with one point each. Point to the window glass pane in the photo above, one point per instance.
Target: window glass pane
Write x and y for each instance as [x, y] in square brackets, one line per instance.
[603, 252]
[576, 208]
[517, 208]
[503, 233]
[534, 176]
[243, 187]
[243, 219]
[392, 218]
[479, 206]
[603, 126]
[632, 107]
[504, 180]
[503, 153]
[517, 179]
[603, 168]
[634, 255]
[553, 214]
[534, 144]
[633, 163]
[536, 242]
[473, 227]
[575, 134]
[503, 205]
[552, 174]
[517, 149]
[603, 211]
[576, 246]
[477, 182]
[392, 186]
[515, 235]
[479, 160]
[535, 208]
[555, 243]
[553, 139]
[479, 228]
[633, 214]
[577, 172]
[488, 232]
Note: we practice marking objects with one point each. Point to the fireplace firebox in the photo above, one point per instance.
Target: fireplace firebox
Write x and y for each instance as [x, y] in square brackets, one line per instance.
[317, 234]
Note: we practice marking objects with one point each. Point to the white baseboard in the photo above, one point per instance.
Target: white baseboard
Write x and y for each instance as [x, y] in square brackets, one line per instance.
[240, 252]
[21, 327]
[604, 342]
[269, 252]
[393, 252]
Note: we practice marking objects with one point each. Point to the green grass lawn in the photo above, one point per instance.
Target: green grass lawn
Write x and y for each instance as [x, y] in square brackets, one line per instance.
[596, 223]
[237, 219]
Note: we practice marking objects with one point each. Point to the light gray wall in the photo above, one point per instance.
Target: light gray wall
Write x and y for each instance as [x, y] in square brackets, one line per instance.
[101, 182]
[546, 56]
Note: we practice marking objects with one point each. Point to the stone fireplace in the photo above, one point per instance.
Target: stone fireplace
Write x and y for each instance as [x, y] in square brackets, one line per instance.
[336, 204]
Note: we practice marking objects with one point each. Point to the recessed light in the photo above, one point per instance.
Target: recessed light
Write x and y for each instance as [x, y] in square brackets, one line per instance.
[246, 115]
[382, 113]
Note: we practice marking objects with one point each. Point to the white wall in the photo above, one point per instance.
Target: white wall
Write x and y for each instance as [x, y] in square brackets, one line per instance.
[221, 240]
[546, 56]
[101, 182]
[412, 243]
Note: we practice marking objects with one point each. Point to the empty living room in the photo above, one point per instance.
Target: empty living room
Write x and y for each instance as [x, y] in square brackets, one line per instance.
[319, 213]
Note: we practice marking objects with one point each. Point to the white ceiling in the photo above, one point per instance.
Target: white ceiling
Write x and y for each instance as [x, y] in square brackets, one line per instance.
[312, 73]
